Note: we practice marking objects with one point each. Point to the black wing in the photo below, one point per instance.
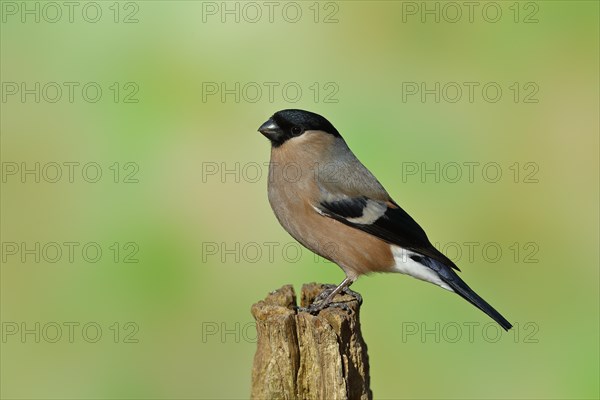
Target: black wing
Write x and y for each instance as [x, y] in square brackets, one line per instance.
[386, 220]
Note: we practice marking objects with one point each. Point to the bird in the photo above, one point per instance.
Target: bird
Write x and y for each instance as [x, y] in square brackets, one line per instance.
[327, 200]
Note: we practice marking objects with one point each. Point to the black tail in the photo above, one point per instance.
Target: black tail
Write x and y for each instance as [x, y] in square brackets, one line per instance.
[468, 294]
[463, 290]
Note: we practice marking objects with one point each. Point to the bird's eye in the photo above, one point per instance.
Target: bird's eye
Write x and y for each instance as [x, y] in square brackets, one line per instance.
[296, 130]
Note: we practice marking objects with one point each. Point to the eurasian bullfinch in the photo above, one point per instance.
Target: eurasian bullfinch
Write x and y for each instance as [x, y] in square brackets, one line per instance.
[332, 204]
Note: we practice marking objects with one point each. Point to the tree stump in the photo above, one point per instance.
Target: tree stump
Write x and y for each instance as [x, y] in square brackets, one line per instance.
[305, 356]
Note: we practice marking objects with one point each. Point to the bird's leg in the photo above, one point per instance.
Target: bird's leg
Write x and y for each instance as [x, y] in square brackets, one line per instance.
[325, 299]
[339, 289]
[327, 290]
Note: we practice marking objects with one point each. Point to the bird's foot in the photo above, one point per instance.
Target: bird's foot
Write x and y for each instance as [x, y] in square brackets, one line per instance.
[330, 288]
[316, 307]
[324, 300]
[354, 294]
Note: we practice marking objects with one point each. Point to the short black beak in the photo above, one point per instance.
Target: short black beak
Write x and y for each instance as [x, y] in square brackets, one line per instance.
[270, 129]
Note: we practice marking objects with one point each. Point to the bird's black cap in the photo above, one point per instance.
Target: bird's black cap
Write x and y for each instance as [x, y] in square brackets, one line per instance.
[286, 124]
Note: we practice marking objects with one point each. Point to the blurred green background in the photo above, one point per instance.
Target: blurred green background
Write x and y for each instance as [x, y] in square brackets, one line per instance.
[183, 190]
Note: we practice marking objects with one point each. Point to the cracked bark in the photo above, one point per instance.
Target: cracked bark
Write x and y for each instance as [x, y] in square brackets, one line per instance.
[304, 356]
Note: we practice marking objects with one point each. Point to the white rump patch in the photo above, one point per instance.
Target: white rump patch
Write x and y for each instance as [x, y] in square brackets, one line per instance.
[408, 266]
